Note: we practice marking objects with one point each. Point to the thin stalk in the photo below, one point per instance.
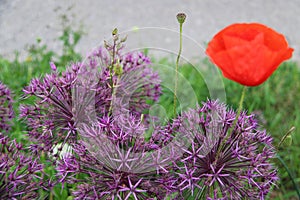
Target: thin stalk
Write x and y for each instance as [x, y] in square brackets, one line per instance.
[176, 70]
[113, 95]
[51, 195]
[290, 175]
[111, 67]
[240, 108]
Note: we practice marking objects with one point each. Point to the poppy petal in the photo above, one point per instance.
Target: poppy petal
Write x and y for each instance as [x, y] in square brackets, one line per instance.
[248, 53]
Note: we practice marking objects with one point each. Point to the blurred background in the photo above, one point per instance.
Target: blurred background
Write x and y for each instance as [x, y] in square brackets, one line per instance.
[21, 22]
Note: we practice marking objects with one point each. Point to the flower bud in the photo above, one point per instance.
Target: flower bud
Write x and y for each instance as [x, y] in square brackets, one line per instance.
[118, 69]
[53, 66]
[124, 39]
[181, 17]
[115, 32]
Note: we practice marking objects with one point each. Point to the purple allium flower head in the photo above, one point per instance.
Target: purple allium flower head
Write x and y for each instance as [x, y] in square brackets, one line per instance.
[50, 119]
[102, 181]
[20, 175]
[53, 119]
[136, 83]
[115, 163]
[212, 168]
[6, 108]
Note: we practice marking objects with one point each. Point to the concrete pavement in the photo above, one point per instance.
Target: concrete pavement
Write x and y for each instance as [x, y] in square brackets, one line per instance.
[21, 22]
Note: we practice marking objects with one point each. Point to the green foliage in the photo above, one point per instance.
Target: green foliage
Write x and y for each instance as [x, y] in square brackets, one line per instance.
[188, 75]
[70, 39]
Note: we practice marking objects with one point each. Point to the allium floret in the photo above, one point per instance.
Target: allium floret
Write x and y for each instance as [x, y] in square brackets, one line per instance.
[20, 175]
[6, 108]
[117, 165]
[225, 160]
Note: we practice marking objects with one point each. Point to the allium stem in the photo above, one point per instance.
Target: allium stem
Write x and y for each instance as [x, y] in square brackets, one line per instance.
[115, 38]
[180, 18]
[114, 33]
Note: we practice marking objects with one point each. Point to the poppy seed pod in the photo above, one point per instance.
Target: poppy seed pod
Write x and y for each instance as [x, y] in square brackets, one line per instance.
[181, 17]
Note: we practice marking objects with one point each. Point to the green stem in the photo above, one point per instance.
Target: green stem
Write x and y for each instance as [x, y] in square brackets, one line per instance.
[51, 195]
[111, 75]
[113, 95]
[290, 175]
[240, 108]
[112, 66]
[177, 66]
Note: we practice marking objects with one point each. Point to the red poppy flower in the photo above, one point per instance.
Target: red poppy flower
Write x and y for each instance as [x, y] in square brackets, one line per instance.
[248, 53]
